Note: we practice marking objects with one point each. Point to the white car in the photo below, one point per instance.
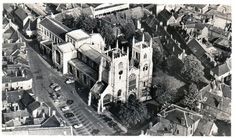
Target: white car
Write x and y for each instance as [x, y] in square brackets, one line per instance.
[65, 108]
[57, 88]
[77, 126]
[69, 81]
[53, 85]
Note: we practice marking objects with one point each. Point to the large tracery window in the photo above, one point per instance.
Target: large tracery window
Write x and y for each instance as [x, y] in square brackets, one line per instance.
[132, 81]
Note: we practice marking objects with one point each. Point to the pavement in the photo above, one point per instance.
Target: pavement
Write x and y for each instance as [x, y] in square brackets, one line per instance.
[43, 76]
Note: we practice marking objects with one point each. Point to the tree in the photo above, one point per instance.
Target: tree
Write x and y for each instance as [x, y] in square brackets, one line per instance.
[191, 96]
[128, 30]
[157, 51]
[192, 69]
[107, 32]
[133, 113]
[68, 21]
[86, 23]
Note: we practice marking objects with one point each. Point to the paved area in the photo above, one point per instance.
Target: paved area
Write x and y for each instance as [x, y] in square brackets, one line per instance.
[43, 76]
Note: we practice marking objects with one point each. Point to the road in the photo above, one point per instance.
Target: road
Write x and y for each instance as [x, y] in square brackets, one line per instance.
[43, 76]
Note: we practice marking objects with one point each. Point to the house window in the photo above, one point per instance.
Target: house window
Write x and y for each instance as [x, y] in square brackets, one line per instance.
[85, 79]
[145, 56]
[137, 56]
[177, 131]
[120, 73]
[78, 74]
[145, 67]
[120, 65]
[119, 92]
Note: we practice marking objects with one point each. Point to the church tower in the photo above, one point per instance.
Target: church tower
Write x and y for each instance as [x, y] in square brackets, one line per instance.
[118, 73]
[142, 60]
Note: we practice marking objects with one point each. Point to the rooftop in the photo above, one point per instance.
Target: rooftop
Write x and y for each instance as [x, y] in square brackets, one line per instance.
[218, 102]
[204, 128]
[52, 121]
[10, 34]
[164, 15]
[223, 42]
[66, 130]
[181, 116]
[90, 52]
[21, 13]
[11, 96]
[221, 69]
[66, 47]
[78, 34]
[55, 27]
[84, 68]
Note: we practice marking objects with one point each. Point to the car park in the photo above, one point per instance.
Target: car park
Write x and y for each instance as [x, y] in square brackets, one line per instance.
[68, 115]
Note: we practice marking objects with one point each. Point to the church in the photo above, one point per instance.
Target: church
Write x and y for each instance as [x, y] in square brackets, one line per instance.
[112, 74]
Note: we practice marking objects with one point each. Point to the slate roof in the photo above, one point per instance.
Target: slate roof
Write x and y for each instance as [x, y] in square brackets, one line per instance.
[31, 25]
[84, 68]
[10, 33]
[196, 48]
[51, 122]
[19, 12]
[181, 116]
[198, 26]
[32, 106]
[164, 15]
[7, 7]
[221, 69]
[218, 102]
[25, 100]
[204, 128]
[11, 96]
[55, 27]
[226, 89]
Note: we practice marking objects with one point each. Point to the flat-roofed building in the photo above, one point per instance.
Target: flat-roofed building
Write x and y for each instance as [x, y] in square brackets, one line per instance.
[107, 8]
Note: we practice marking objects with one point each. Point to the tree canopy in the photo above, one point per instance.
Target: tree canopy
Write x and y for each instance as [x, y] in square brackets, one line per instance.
[86, 23]
[133, 113]
[128, 30]
[192, 69]
[107, 33]
[191, 96]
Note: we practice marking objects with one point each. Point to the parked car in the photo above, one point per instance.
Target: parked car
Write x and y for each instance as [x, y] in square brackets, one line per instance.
[69, 81]
[65, 108]
[69, 102]
[68, 115]
[56, 101]
[77, 126]
[53, 85]
[95, 131]
[57, 88]
[112, 124]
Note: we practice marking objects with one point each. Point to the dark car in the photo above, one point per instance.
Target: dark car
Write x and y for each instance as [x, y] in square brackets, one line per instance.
[68, 115]
[69, 102]
[107, 119]
[95, 131]
[112, 124]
